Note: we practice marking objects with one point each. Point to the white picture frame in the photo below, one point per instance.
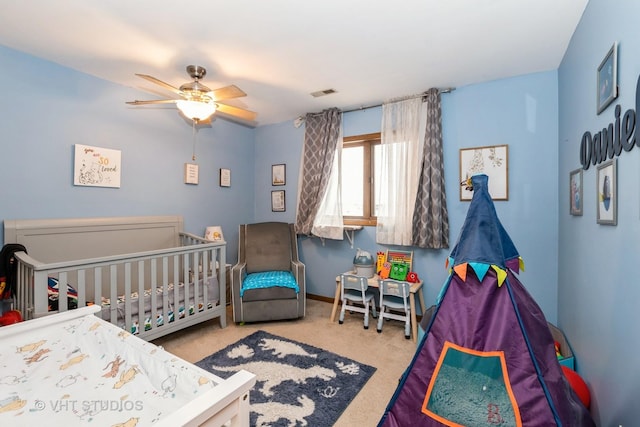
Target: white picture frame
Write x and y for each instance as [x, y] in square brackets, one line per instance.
[490, 160]
[96, 166]
[191, 173]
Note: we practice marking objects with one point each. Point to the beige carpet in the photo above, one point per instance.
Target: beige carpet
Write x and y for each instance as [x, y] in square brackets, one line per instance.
[388, 351]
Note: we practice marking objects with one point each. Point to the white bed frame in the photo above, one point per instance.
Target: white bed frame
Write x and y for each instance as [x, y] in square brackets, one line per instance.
[225, 404]
[110, 257]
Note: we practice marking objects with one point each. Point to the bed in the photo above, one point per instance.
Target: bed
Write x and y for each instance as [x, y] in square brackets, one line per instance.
[145, 274]
[74, 368]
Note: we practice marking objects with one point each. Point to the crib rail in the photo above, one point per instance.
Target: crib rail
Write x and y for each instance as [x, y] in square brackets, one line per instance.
[96, 280]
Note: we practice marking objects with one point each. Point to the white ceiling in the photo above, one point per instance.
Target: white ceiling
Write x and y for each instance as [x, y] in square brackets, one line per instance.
[280, 51]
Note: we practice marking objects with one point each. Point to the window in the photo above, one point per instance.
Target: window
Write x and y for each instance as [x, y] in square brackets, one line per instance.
[359, 160]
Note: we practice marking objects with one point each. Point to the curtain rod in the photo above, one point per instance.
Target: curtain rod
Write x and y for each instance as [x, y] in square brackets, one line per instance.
[443, 90]
[300, 119]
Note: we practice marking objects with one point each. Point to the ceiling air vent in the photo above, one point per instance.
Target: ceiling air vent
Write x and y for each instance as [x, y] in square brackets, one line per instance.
[323, 92]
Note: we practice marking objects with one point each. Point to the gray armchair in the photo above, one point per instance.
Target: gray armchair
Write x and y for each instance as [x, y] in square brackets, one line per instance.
[268, 282]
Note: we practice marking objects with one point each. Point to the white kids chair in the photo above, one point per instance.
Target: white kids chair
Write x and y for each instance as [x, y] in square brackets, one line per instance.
[354, 289]
[394, 298]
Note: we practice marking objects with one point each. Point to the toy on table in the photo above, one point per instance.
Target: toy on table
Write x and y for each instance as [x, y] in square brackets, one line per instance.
[412, 277]
[381, 259]
[399, 271]
[385, 271]
[363, 264]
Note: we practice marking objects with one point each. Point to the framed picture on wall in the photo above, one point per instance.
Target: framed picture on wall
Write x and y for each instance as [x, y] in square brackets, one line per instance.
[575, 192]
[491, 161]
[191, 173]
[608, 78]
[96, 166]
[279, 174]
[225, 177]
[277, 201]
[607, 193]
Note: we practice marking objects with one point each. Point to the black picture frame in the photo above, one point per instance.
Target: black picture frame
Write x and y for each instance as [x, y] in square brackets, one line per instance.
[278, 201]
[279, 174]
[607, 78]
[225, 177]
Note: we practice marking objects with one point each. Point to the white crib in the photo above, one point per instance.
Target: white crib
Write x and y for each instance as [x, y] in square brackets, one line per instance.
[112, 262]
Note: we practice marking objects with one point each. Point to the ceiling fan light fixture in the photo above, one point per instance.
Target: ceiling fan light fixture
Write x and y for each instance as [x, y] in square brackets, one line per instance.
[196, 110]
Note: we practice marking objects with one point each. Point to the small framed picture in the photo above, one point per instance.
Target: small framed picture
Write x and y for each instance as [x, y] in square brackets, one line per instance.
[191, 173]
[607, 193]
[278, 174]
[608, 78]
[575, 192]
[490, 160]
[225, 177]
[277, 201]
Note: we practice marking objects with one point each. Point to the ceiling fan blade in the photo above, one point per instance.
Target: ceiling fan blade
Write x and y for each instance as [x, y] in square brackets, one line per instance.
[155, 101]
[161, 83]
[226, 92]
[236, 112]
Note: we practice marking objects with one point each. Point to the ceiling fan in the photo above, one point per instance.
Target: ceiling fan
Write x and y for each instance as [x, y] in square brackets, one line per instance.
[198, 102]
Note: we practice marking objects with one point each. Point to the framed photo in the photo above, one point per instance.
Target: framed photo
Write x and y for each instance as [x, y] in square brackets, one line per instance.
[607, 193]
[191, 173]
[490, 160]
[608, 78]
[225, 177]
[277, 201]
[96, 166]
[279, 174]
[575, 192]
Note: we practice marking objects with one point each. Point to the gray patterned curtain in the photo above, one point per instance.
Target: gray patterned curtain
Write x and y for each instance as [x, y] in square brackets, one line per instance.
[430, 217]
[322, 131]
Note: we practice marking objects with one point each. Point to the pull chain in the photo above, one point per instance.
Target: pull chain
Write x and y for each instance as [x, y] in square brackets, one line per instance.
[193, 155]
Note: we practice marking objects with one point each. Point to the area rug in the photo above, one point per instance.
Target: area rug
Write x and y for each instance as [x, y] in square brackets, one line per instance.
[296, 385]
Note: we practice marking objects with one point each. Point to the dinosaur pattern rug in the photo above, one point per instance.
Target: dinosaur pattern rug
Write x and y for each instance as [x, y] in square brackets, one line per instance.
[297, 384]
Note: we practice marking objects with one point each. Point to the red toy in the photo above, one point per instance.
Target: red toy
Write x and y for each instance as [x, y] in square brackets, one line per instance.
[10, 317]
[578, 385]
[412, 277]
[556, 344]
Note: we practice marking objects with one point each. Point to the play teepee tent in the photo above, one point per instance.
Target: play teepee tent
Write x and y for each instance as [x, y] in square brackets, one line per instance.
[487, 357]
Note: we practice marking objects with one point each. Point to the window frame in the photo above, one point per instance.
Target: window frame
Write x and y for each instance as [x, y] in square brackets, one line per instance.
[367, 141]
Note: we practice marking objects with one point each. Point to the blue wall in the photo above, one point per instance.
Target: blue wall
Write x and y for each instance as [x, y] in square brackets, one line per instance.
[46, 109]
[579, 272]
[598, 292]
[521, 112]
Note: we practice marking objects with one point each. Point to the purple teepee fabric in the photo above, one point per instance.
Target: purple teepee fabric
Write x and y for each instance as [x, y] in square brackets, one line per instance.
[486, 327]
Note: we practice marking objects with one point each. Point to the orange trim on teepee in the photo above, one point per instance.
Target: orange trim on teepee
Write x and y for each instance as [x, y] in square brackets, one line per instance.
[461, 271]
[507, 382]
